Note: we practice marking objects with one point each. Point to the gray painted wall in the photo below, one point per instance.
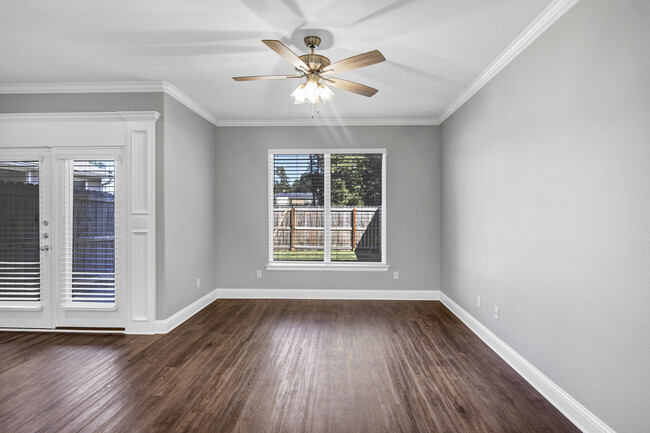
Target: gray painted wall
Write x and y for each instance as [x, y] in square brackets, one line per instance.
[186, 179]
[81, 102]
[413, 206]
[546, 207]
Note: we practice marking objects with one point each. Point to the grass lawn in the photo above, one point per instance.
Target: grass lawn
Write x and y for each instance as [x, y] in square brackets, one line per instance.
[348, 256]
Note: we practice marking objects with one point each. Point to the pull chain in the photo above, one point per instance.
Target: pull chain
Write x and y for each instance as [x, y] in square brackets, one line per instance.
[315, 107]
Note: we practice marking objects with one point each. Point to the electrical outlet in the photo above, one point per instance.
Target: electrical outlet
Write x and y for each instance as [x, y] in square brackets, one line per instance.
[478, 300]
[395, 275]
[259, 274]
[496, 312]
[198, 283]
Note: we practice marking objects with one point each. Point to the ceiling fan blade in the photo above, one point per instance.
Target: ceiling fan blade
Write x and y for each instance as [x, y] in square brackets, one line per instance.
[355, 62]
[266, 77]
[287, 54]
[351, 86]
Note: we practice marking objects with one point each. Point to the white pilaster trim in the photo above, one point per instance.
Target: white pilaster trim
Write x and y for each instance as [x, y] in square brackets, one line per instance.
[569, 406]
[141, 224]
[550, 15]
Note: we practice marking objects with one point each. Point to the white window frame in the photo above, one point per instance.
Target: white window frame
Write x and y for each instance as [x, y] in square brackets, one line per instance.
[326, 265]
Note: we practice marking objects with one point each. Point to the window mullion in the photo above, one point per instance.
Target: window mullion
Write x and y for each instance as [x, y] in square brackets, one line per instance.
[270, 204]
[327, 220]
[383, 209]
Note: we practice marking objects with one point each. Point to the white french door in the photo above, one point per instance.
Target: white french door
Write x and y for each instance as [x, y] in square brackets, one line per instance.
[25, 229]
[61, 238]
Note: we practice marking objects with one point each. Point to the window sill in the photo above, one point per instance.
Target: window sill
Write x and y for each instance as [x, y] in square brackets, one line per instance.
[297, 266]
[21, 307]
[87, 306]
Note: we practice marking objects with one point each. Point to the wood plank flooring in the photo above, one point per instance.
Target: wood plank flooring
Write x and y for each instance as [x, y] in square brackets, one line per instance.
[272, 366]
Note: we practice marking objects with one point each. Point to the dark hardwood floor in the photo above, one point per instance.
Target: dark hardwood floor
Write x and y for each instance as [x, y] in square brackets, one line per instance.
[272, 366]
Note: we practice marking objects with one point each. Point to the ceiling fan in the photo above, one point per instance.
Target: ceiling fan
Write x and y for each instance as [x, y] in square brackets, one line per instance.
[317, 70]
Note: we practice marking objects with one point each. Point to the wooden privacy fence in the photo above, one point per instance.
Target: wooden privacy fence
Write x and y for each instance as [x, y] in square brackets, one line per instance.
[303, 228]
[93, 222]
[94, 231]
[19, 222]
[19, 242]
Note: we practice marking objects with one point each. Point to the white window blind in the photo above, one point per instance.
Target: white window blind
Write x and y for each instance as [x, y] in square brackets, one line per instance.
[298, 214]
[88, 256]
[327, 207]
[20, 268]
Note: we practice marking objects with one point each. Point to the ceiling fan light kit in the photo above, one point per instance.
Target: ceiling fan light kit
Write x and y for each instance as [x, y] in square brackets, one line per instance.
[316, 67]
[312, 92]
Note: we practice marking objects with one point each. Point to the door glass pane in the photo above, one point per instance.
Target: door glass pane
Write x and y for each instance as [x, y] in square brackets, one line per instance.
[298, 223]
[20, 270]
[356, 197]
[91, 261]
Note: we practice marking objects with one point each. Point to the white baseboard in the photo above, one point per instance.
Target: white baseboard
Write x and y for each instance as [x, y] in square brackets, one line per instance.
[165, 326]
[62, 331]
[406, 295]
[569, 406]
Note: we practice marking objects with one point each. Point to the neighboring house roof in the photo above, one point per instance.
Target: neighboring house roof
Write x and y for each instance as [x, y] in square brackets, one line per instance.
[305, 195]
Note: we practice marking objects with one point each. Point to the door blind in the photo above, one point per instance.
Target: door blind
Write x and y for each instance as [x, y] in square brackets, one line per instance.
[20, 268]
[89, 233]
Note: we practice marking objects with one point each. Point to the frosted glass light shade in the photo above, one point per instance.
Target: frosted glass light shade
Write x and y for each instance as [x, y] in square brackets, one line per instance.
[312, 92]
[298, 95]
[325, 93]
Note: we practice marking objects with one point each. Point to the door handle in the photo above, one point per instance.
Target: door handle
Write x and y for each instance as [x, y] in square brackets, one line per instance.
[45, 248]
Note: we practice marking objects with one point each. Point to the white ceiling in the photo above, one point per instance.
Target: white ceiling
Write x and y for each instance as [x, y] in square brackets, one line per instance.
[434, 48]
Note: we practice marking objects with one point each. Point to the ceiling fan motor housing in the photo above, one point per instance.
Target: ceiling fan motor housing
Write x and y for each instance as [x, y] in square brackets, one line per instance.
[316, 62]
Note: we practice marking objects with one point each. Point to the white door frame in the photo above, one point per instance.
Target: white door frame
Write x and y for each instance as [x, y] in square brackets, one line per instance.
[135, 134]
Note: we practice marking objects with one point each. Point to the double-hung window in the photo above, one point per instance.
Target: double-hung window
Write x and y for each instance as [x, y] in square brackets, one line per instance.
[327, 209]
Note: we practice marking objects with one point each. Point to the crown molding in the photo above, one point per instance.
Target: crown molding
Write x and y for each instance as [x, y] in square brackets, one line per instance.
[174, 92]
[109, 87]
[90, 116]
[332, 122]
[99, 87]
[190, 103]
[549, 16]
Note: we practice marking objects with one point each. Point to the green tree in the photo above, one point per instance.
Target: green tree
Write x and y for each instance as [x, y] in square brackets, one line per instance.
[356, 180]
[312, 180]
[281, 181]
